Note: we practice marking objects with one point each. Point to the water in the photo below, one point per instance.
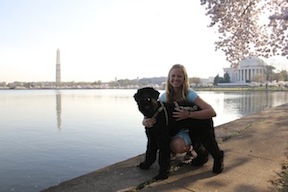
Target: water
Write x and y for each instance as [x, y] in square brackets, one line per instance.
[49, 136]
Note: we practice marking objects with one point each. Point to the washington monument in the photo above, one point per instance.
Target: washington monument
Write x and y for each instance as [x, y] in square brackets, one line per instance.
[58, 69]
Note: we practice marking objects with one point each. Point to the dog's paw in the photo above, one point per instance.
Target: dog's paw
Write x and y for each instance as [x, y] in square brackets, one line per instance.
[161, 176]
[144, 166]
[219, 163]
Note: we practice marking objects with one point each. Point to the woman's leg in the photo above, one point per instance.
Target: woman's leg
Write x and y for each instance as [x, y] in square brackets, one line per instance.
[178, 145]
[181, 143]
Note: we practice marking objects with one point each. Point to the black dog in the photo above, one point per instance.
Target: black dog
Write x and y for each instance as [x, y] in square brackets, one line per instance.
[201, 131]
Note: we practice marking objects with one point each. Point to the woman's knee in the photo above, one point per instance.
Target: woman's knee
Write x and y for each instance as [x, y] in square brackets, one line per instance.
[178, 145]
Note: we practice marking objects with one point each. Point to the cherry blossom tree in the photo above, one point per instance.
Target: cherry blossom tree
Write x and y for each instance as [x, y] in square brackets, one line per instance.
[249, 27]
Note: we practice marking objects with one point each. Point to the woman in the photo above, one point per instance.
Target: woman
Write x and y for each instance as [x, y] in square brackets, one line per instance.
[177, 89]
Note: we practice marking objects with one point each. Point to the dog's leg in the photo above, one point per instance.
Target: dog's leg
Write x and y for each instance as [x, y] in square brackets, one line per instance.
[151, 150]
[207, 138]
[202, 154]
[211, 145]
[164, 158]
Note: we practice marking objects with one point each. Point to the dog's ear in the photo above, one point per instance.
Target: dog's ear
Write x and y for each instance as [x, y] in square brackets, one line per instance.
[136, 96]
[156, 94]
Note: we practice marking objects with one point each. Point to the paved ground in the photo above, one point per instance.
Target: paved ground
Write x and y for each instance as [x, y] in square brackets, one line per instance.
[255, 147]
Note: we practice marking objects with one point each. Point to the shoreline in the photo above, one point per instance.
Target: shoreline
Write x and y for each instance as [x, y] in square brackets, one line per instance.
[194, 88]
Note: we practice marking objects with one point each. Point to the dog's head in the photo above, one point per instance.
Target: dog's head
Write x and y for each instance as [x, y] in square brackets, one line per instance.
[146, 99]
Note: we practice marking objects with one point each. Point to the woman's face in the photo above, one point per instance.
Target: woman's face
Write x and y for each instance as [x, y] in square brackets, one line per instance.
[176, 78]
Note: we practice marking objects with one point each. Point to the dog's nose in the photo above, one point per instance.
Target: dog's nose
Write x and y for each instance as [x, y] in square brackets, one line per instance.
[147, 107]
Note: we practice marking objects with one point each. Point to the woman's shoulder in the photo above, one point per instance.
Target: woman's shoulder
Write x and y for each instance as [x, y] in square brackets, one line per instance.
[191, 95]
[163, 96]
[191, 91]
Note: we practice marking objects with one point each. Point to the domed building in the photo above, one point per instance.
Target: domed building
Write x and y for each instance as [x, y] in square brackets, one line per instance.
[248, 68]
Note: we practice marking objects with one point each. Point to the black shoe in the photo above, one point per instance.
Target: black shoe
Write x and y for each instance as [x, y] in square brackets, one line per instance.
[161, 176]
[144, 166]
[219, 163]
[202, 157]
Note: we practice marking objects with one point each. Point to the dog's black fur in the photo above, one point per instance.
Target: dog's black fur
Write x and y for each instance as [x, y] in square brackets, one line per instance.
[201, 131]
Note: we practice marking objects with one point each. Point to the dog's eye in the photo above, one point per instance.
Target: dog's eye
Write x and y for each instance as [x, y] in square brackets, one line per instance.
[148, 99]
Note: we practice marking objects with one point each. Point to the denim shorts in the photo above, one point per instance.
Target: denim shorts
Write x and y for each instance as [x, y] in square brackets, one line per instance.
[184, 134]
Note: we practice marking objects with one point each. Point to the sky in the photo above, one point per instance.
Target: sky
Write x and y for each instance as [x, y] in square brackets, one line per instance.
[105, 40]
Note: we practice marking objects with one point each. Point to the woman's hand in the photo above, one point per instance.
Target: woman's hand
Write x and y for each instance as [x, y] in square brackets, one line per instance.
[148, 122]
[181, 114]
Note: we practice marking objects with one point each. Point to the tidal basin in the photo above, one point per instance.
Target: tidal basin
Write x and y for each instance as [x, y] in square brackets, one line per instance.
[49, 136]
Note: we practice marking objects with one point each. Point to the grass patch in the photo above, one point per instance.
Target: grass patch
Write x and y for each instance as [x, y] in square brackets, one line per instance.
[281, 184]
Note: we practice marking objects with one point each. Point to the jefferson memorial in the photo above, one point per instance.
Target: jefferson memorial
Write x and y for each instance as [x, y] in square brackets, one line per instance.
[249, 68]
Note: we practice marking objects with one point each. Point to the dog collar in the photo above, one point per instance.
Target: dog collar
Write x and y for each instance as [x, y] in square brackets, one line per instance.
[159, 111]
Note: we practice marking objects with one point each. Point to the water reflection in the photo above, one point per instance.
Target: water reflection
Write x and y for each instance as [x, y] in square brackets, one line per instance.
[58, 109]
[251, 102]
[230, 106]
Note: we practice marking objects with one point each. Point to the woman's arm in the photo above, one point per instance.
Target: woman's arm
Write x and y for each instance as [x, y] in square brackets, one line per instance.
[207, 111]
[148, 122]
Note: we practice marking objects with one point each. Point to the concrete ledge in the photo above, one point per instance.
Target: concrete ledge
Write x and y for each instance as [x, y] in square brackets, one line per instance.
[255, 146]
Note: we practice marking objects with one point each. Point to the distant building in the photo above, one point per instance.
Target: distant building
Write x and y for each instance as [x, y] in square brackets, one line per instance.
[249, 68]
[58, 68]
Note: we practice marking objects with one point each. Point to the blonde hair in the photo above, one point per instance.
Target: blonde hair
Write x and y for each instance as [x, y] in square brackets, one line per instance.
[169, 89]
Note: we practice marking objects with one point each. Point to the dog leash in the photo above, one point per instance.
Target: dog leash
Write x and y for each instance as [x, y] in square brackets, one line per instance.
[161, 109]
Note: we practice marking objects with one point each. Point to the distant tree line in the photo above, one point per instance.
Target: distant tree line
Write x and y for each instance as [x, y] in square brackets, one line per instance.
[225, 79]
